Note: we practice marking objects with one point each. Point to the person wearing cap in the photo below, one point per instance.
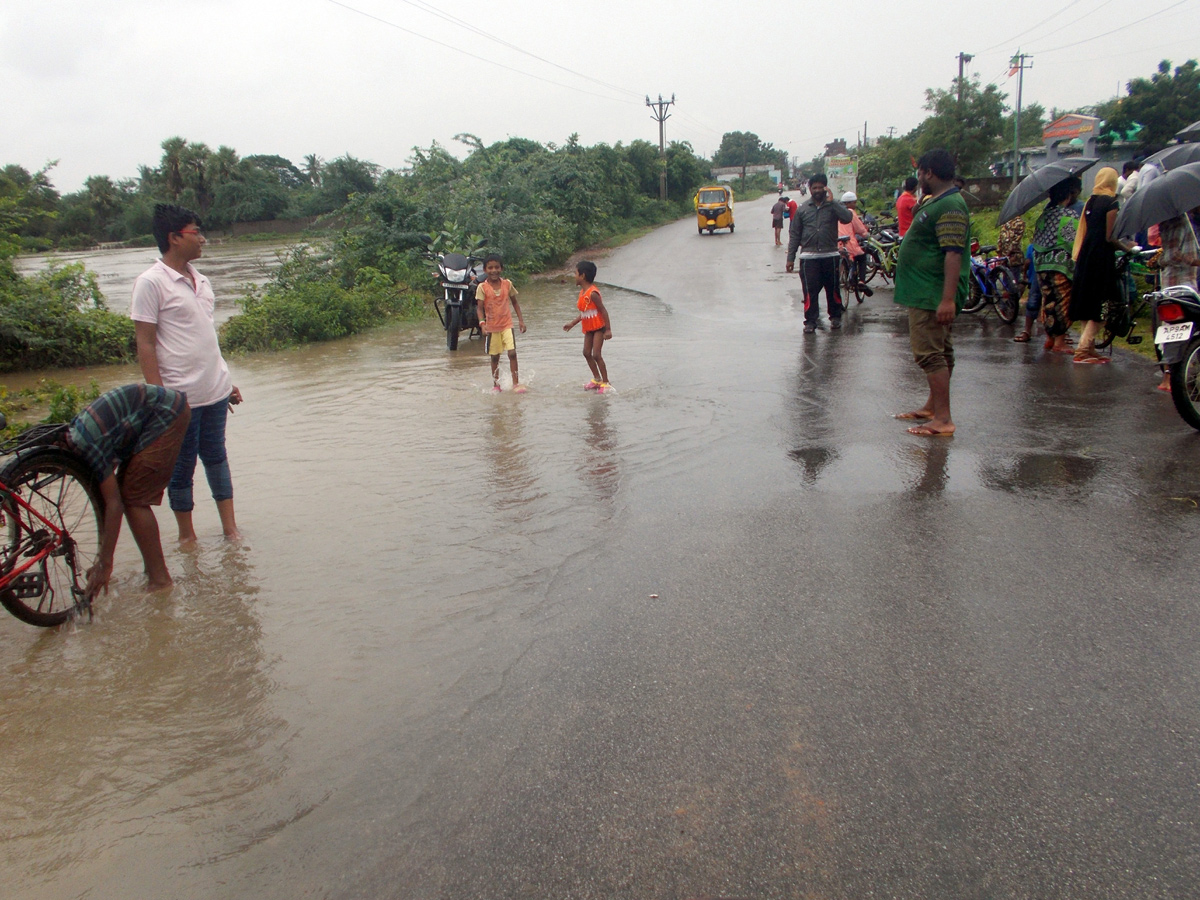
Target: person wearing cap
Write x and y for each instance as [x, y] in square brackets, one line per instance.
[854, 229]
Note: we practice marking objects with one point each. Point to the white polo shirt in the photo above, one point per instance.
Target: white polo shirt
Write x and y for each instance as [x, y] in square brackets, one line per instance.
[189, 357]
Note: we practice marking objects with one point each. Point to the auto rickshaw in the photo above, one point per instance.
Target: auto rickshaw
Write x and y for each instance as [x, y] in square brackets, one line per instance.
[714, 208]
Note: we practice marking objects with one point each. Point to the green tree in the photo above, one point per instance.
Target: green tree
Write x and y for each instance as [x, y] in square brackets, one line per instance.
[969, 129]
[745, 148]
[1162, 104]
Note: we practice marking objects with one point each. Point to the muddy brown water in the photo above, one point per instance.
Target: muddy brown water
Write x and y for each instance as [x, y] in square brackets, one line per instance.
[392, 507]
[729, 631]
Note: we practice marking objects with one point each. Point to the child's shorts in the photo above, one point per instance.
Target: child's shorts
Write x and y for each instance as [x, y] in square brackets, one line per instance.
[500, 341]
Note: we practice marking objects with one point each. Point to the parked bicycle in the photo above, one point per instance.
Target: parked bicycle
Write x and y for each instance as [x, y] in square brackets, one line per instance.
[1119, 319]
[848, 272]
[51, 512]
[991, 281]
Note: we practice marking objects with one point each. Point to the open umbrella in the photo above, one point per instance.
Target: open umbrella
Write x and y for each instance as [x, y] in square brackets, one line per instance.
[1191, 133]
[1166, 197]
[1175, 156]
[1033, 188]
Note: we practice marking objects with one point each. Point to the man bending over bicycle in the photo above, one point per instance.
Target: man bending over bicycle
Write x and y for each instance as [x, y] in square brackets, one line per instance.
[130, 437]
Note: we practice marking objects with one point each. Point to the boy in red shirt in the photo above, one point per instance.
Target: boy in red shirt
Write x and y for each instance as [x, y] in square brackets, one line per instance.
[492, 299]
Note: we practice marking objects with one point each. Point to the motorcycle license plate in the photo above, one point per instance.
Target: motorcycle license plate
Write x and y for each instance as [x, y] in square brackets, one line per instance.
[1169, 334]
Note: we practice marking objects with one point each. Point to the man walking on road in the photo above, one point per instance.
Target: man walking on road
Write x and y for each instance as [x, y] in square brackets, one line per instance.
[777, 212]
[814, 232]
[931, 280]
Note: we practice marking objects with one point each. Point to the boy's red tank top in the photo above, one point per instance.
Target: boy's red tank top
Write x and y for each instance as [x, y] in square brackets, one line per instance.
[592, 320]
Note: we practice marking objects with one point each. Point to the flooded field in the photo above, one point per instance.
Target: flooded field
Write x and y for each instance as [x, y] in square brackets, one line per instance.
[230, 267]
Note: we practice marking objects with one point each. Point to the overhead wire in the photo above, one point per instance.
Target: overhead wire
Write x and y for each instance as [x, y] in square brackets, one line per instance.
[1031, 28]
[1124, 27]
[474, 56]
[442, 14]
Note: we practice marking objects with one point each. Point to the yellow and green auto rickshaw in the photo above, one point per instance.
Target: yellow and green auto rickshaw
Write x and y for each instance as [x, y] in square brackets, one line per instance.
[714, 208]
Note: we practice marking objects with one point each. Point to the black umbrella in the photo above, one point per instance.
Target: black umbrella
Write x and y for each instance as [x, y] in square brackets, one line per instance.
[1166, 197]
[1034, 187]
[1191, 133]
[1175, 156]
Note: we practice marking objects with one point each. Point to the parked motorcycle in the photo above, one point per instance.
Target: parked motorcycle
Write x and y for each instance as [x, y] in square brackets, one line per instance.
[458, 274]
[1178, 311]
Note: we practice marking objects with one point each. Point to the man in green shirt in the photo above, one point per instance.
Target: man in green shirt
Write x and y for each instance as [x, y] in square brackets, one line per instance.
[931, 280]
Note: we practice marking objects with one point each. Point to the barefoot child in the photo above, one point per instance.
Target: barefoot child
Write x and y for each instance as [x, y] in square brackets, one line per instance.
[492, 299]
[596, 326]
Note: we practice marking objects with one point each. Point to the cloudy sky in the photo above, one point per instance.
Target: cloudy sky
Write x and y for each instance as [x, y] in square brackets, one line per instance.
[99, 84]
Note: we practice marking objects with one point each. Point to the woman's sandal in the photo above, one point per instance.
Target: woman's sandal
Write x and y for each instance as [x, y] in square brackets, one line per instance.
[1022, 338]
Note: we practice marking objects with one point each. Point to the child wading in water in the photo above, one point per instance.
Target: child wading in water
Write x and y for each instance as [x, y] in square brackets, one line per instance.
[492, 299]
[596, 326]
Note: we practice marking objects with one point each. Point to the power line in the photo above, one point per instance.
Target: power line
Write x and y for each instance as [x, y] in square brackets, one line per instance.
[1022, 34]
[474, 56]
[442, 14]
[1097, 37]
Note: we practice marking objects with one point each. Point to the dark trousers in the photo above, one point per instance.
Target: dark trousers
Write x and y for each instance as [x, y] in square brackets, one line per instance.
[818, 274]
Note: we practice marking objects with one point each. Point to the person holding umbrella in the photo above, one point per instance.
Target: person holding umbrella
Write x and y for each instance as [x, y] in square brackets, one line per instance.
[1095, 281]
[1053, 241]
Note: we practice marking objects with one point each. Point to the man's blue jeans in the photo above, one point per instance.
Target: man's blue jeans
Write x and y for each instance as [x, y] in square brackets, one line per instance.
[205, 437]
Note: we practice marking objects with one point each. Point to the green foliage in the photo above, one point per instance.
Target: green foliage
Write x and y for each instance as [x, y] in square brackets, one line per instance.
[311, 299]
[67, 400]
[744, 148]
[60, 402]
[58, 318]
[970, 129]
[1162, 104]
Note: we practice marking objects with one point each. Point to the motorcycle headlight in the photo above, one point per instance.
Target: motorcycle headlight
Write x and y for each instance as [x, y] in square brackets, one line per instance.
[456, 275]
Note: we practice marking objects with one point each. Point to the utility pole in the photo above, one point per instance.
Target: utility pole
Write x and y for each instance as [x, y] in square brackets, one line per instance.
[891, 131]
[661, 115]
[1018, 67]
[963, 59]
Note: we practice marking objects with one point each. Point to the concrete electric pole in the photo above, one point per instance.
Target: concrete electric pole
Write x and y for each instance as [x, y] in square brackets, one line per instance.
[1018, 68]
[661, 115]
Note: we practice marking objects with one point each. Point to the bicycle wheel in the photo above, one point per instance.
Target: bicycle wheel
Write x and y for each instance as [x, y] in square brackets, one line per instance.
[59, 486]
[874, 264]
[1115, 322]
[975, 297]
[1008, 295]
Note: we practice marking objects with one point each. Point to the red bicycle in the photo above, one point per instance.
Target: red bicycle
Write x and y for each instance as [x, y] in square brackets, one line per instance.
[51, 512]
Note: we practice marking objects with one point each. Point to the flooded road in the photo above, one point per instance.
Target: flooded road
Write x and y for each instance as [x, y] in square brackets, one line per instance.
[726, 632]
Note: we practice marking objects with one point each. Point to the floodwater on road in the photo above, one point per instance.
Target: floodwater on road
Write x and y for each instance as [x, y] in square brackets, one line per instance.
[727, 631]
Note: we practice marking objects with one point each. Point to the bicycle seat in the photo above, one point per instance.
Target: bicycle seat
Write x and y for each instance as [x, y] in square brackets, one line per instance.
[987, 248]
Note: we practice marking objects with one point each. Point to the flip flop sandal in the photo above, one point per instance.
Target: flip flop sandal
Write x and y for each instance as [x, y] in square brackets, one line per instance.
[1022, 338]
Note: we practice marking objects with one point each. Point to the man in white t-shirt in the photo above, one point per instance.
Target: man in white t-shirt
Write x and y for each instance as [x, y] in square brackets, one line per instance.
[177, 348]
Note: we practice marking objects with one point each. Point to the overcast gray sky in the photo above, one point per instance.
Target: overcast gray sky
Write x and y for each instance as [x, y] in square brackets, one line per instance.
[99, 84]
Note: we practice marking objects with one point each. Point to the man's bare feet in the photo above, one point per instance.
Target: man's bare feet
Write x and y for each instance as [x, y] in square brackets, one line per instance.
[234, 535]
[915, 415]
[157, 584]
[932, 429]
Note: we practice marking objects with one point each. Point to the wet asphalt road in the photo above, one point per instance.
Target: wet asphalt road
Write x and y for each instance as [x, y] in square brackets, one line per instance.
[728, 632]
[876, 665]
